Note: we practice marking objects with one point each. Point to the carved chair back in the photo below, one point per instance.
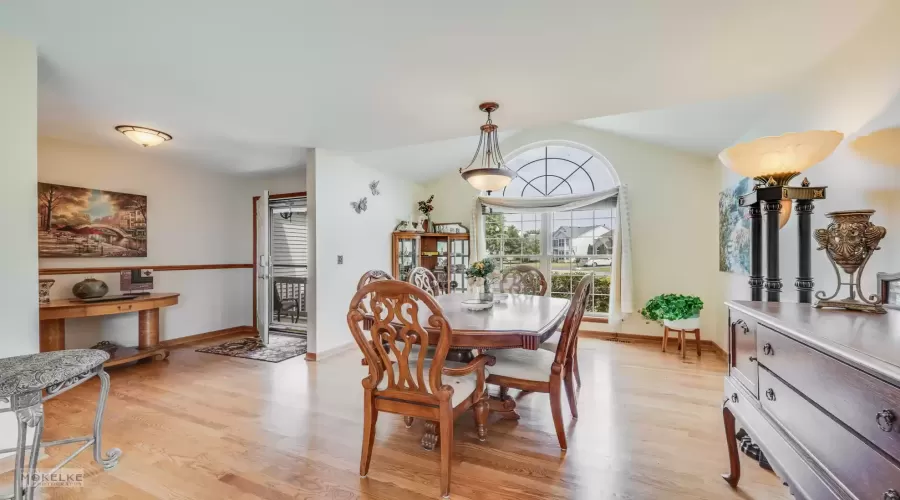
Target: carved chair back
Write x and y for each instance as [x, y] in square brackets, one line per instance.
[425, 279]
[568, 337]
[523, 279]
[373, 275]
[399, 310]
[370, 276]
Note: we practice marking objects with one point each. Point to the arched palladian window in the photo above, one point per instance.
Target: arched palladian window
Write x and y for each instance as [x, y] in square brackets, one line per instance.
[566, 244]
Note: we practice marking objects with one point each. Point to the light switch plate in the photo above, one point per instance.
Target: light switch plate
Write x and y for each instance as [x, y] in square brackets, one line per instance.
[340, 259]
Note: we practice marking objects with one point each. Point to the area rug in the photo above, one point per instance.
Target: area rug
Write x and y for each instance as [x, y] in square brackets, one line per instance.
[280, 348]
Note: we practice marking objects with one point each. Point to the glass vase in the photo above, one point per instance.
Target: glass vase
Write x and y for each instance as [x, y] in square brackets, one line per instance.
[486, 295]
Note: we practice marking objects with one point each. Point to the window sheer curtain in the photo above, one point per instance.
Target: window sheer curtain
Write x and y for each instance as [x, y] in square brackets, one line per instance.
[621, 287]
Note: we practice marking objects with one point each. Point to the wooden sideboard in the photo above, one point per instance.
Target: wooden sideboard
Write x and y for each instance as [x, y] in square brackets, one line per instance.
[819, 392]
[53, 324]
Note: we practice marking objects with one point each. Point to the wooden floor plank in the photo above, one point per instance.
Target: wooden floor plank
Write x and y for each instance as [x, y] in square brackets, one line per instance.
[201, 426]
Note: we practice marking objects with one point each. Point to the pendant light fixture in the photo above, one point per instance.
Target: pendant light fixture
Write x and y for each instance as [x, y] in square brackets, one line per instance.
[146, 137]
[487, 171]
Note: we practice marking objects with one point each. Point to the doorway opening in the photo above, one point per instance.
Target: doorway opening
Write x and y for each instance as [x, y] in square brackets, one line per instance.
[281, 271]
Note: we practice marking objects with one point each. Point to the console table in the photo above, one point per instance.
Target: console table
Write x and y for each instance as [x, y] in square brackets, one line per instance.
[819, 392]
[54, 314]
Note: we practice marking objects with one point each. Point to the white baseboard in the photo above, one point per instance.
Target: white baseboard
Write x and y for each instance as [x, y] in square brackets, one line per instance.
[319, 356]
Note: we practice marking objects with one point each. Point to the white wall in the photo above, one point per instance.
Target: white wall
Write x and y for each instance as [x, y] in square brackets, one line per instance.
[195, 216]
[673, 216]
[363, 239]
[855, 91]
[18, 199]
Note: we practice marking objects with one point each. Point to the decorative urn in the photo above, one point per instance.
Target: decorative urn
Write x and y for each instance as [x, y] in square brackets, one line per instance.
[849, 241]
[90, 289]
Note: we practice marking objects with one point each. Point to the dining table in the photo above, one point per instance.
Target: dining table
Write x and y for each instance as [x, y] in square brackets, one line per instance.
[514, 322]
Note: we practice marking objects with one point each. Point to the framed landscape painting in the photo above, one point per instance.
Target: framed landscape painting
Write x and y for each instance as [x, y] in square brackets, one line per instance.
[734, 230]
[82, 222]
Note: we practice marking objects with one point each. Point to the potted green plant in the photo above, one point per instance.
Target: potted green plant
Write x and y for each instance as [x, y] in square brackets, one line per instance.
[679, 312]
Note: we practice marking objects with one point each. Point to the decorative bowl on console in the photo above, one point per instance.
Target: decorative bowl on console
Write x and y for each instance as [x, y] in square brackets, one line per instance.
[90, 289]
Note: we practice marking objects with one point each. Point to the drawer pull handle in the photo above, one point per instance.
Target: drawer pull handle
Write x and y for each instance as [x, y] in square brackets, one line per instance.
[743, 324]
[752, 358]
[885, 420]
[734, 397]
[767, 349]
[891, 494]
[770, 394]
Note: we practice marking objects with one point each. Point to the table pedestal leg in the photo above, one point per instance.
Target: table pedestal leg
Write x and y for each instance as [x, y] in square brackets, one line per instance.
[460, 355]
[432, 435]
[503, 405]
[53, 335]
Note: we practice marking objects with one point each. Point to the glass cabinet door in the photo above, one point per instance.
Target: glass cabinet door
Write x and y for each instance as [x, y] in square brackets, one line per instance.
[407, 256]
[459, 262]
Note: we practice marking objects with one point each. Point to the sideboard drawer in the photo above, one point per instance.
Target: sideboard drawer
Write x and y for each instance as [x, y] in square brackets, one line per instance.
[742, 332]
[865, 404]
[861, 469]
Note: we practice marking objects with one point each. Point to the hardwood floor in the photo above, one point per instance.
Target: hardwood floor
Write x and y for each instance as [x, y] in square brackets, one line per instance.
[202, 426]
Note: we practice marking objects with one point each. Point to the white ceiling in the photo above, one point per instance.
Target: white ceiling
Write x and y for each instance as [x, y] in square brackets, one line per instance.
[245, 86]
[704, 128]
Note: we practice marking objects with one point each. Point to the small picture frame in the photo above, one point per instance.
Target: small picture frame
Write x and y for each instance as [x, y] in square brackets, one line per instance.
[889, 289]
[450, 228]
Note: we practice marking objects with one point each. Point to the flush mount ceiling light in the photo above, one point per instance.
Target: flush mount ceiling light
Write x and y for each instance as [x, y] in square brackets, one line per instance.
[487, 171]
[774, 161]
[144, 136]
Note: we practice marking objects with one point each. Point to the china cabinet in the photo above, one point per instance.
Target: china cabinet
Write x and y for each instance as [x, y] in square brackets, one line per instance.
[444, 254]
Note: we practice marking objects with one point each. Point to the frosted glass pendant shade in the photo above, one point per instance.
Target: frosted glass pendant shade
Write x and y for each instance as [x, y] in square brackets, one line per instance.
[487, 171]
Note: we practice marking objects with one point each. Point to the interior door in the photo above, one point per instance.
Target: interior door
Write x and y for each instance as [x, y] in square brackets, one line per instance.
[264, 287]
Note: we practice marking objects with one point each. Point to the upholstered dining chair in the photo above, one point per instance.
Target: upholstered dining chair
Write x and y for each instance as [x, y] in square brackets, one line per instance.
[524, 279]
[409, 384]
[545, 371]
[425, 279]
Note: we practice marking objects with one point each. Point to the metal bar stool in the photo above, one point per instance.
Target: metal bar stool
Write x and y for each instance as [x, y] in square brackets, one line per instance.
[22, 382]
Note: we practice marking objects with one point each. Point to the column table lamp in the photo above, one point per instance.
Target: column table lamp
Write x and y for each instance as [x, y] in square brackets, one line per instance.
[773, 162]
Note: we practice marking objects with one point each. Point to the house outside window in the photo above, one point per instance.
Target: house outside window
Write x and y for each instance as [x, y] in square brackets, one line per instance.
[563, 245]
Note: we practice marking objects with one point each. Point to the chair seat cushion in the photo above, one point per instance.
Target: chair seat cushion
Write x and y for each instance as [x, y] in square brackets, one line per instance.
[523, 364]
[33, 372]
[552, 343]
[463, 386]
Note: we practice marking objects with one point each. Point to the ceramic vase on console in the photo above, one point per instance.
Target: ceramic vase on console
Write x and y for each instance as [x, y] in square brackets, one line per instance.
[44, 285]
[849, 241]
[90, 289]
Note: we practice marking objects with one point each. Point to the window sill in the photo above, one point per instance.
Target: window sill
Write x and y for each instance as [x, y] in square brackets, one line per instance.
[594, 319]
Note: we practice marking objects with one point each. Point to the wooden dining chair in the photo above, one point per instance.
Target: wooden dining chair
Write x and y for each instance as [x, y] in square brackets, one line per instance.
[545, 371]
[425, 279]
[523, 279]
[411, 384]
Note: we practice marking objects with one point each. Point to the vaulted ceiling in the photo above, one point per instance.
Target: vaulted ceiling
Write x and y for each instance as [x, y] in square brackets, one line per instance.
[246, 86]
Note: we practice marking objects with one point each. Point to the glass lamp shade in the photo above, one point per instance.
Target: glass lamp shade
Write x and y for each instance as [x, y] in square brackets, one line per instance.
[882, 146]
[489, 179]
[146, 137]
[781, 158]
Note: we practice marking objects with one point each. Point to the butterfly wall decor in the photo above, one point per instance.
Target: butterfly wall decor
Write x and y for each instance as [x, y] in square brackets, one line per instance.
[360, 206]
[374, 187]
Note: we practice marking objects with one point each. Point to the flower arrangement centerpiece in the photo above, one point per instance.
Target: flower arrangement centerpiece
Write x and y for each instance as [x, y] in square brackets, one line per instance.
[426, 207]
[480, 275]
[680, 312]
